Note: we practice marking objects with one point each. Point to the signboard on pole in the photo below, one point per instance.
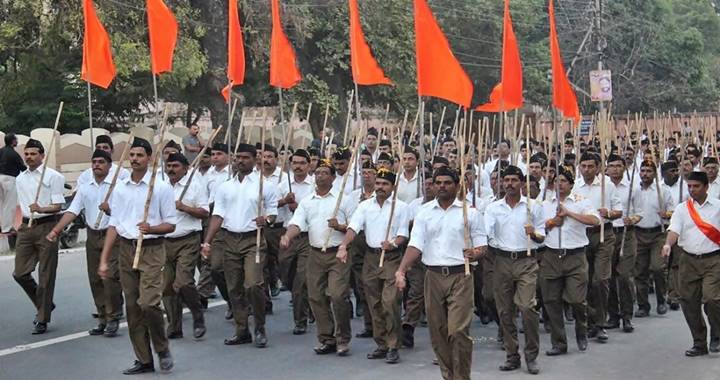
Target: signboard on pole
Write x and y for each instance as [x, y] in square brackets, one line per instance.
[600, 86]
[585, 125]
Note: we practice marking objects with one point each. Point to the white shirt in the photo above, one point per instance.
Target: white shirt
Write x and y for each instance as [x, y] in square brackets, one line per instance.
[440, 234]
[649, 207]
[505, 226]
[237, 202]
[691, 239]
[714, 190]
[127, 206]
[276, 176]
[203, 179]
[337, 183]
[51, 191]
[87, 175]
[358, 195]
[196, 196]
[573, 232]
[312, 216]
[88, 197]
[623, 190]
[373, 219]
[593, 192]
[301, 190]
[407, 189]
[675, 191]
[215, 178]
[415, 206]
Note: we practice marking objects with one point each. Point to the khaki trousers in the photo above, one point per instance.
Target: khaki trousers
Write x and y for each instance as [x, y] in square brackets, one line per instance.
[649, 266]
[143, 293]
[674, 278]
[328, 282]
[383, 298]
[33, 250]
[357, 250]
[515, 288]
[217, 264]
[599, 257]
[244, 278]
[205, 285]
[449, 310]
[415, 294]
[293, 273]
[107, 294]
[182, 257]
[621, 296]
[564, 279]
[700, 285]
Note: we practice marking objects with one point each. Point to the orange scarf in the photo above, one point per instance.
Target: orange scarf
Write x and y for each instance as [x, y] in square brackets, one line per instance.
[707, 229]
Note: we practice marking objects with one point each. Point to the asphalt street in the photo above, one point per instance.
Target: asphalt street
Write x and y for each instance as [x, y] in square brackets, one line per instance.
[654, 351]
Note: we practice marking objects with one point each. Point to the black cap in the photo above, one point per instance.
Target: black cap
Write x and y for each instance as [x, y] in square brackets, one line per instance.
[372, 132]
[568, 174]
[368, 165]
[314, 152]
[365, 152]
[207, 152]
[710, 161]
[325, 163]
[270, 148]
[446, 171]
[387, 175]
[648, 164]
[588, 156]
[302, 153]
[178, 157]
[538, 158]
[99, 153]
[245, 148]
[32, 143]
[342, 153]
[615, 157]
[668, 165]
[440, 160]
[385, 157]
[104, 139]
[139, 142]
[385, 143]
[174, 145]
[220, 146]
[411, 150]
[513, 170]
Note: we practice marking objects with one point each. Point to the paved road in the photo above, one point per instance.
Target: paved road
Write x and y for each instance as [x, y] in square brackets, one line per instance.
[654, 351]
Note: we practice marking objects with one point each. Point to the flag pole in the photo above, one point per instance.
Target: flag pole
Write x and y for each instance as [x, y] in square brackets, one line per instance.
[421, 146]
[230, 112]
[356, 167]
[90, 120]
[157, 123]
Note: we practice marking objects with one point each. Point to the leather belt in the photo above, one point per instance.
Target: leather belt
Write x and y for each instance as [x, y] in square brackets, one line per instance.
[43, 220]
[192, 234]
[651, 230]
[242, 235]
[378, 251]
[327, 249]
[276, 225]
[704, 255]
[595, 229]
[565, 252]
[619, 230]
[516, 254]
[446, 270]
[146, 242]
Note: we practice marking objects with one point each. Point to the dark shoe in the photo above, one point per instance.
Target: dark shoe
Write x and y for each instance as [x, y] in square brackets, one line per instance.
[696, 351]
[592, 332]
[569, 314]
[509, 366]
[435, 361]
[138, 368]
[175, 335]
[674, 306]
[228, 313]
[392, 356]
[299, 330]
[628, 326]
[52, 307]
[377, 354]
[602, 336]
[238, 339]
[343, 349]
[532, 367]
[268, 309]
[260, 339]
[662, 309]
[582, 343]
[485, 319]
[274, 291]
[112, 328]
[212, 295]
[359, 311]
[99, 330]
[40, 328]
[166, 361]
[203, 303]
[612, 323]
[325, 349]
[642, 313]
[364, 334]
[311, 318]
[199, 328]
[714, 345]
[555, 351]
[408, 336]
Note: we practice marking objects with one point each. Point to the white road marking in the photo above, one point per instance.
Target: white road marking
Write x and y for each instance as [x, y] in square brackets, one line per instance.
[66, 338]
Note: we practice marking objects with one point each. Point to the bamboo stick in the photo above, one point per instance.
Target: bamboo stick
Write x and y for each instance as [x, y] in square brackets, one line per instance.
[44, 168]
[123, 157]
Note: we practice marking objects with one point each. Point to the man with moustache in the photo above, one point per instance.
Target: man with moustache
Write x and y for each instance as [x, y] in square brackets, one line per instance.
[408, 189]
[104, 143]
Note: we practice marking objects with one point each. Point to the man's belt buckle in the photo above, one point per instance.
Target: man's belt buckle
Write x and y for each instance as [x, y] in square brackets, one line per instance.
[514, 255]
[562, 253]
[445, 271]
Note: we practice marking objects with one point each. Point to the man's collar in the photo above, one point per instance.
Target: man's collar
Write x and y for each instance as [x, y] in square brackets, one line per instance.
[145, 178]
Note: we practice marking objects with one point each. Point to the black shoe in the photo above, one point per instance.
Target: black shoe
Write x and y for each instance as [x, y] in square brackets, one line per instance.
[359, 311]
[260, 339]
[175, 335]
[592, 332]
[612, 323]
[112, 328]
[138, 368]
[569, 315]
[377, 354]
[274, 291]
[642, 313]
[199, 328]
[555, 351]
[714, 345]
[364, 334]
[325, 349]
[299, 330]
[343, 349]
[99, 330]
[532, 367]
[662, 309]
[229, 313]
[392, 356]
[166, 361]
[509, 366]
[602, 336]
[582, 343]
[40, 328]
[485, 319]
[696, 351]
[311, 318]
[408, 336]
[52, 307]
[674, 306]
[628, 326]
[269, 309]
[212, 295]
[203, 303]
[238, 339]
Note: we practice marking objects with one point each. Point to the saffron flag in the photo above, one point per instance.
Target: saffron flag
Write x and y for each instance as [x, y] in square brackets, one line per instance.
[97, 64]
[365, 69]
[163, 30]
[564, 98]
[236, 50]
[507, 95]
[439, 73]
[284, 72]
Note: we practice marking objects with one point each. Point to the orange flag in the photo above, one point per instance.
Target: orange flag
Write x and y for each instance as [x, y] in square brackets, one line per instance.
[236, 50]
[97, 65]
[439, 73]
[284, 72]
[564, 98]
[163, 30]
[365, 69]
[507, 95]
